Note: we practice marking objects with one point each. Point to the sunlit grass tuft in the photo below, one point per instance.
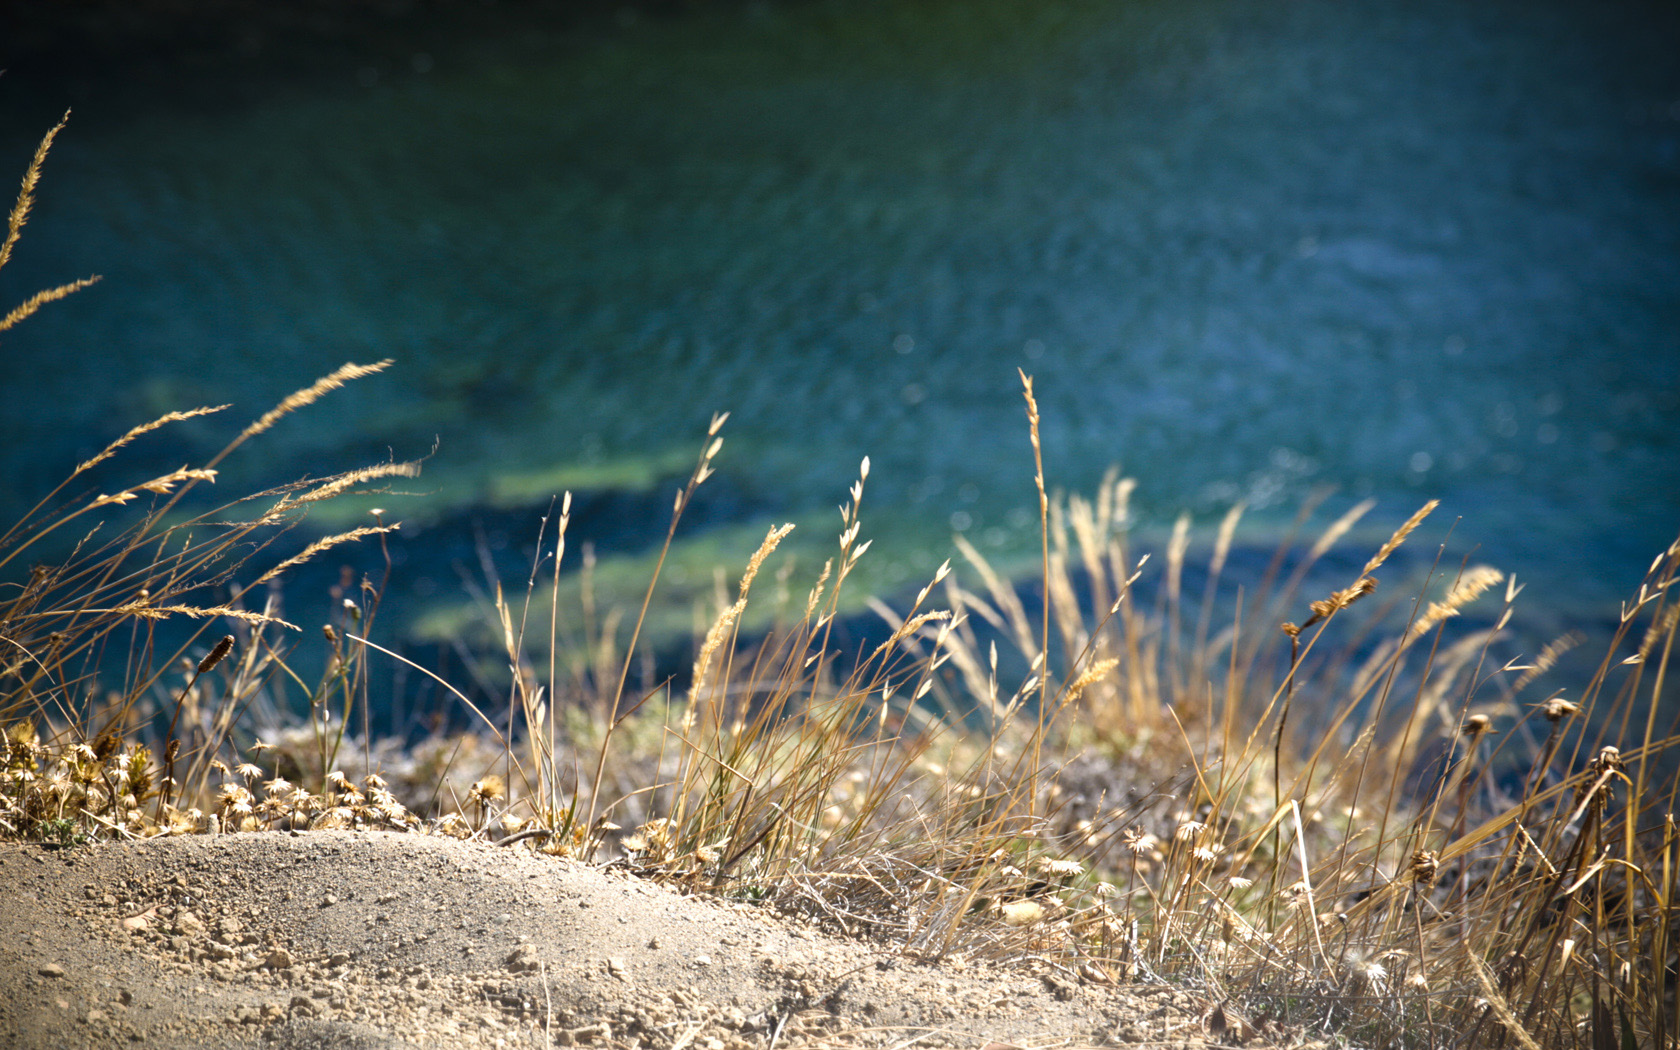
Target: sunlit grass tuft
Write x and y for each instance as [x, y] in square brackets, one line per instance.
[1327, 808]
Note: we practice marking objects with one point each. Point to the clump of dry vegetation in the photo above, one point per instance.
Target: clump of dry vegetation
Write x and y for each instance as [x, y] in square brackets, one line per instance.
[1365, 824]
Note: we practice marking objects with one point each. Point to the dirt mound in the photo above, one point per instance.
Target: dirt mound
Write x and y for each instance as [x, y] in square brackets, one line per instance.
[337, 939]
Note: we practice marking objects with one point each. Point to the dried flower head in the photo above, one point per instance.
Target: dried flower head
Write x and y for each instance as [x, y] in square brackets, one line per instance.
[1022, 913]
[1059, 869]
[1189, 830]
[453, 826]
[1426, 866]
[1368, 973]
[333, 819]
[1139, 841]
[1557, 709]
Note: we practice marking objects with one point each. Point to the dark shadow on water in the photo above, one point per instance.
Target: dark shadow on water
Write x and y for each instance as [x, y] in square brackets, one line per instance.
[114, 60]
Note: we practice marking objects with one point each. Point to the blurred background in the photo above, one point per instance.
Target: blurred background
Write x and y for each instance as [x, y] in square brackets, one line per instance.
[1248, 249]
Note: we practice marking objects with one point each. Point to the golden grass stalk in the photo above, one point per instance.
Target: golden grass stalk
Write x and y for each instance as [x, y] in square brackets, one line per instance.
[26, 194]
[726, 621]
[342, 483]
[109, 593]
[1044, 536]
[50, 295]
[324, 543]
[158, 486]
[1548, 658]
[1472, 584]
[1393, 543]
[703, 470]
[144, 611]
[311, 394]
[144, 428]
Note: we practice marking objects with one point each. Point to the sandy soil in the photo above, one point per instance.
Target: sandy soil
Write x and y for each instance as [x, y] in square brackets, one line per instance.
[374, 941]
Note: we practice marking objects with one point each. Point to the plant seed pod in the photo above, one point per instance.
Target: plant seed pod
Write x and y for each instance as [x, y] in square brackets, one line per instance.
[217, 654]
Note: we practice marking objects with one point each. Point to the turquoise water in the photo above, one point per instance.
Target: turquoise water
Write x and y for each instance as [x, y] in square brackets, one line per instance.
[1246, 249]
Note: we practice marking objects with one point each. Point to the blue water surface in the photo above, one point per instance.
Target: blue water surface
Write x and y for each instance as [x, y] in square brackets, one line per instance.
[1244, 247]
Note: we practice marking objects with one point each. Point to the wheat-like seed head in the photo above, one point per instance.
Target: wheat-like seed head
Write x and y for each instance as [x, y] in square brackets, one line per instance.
[161, 486]
[145, 428]
[1548, 657]
[1339, 528]
[1475, 582]
[1222, 542]
[1399, 536]
[726, 620]
[26, 194]
[145, 611]
[1338, 601]
[312, 393]
[21, 311]
[1660, 626]
[322, 544]
[337, 485]
[1090, 676]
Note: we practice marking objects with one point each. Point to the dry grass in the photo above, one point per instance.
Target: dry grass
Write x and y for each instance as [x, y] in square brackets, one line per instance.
[1367, 825]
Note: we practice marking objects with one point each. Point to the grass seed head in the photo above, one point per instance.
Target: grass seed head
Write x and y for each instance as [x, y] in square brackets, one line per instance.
[216, 655]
